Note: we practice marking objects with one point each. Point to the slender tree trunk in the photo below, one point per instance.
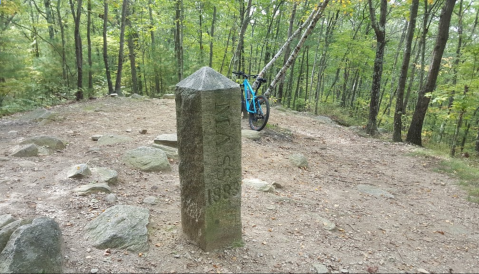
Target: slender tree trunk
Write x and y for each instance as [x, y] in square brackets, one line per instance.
[287, 51]
[62, 33]
[200, 32]
[153, 48]
[132, 37]
[78, 47]
[124, 14]
[212, 35]
[179, 39]
[90, 63]
[105, 47]
[315, 15]
[458, 126]
[404, 70]
[415, 129]
[380, 30]
[49, 17]
[237, 56]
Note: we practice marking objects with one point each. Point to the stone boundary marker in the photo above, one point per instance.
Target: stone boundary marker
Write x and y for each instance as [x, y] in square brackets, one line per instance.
[208, 112]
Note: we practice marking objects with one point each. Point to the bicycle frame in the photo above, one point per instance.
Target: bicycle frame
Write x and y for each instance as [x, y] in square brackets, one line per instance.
[249, 101]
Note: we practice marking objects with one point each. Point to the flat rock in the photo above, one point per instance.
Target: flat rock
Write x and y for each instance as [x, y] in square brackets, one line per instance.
[320, 269]
[171, 152]
[5, 220]
[79, 171]
[34, 248]
[50, 142]
[167, 140]
[372, 190]
[259, 185]
[38, 115]
[92, 188]
[111, 198]
[136, 96]
[168, 96]
[105, 175]
[251, 134]
[151, 200]
[120, 226]
[147, 159]
[327, 224]
[325, 120]
[298, 160]
[29, 150]
[96, 137]
[111, 139]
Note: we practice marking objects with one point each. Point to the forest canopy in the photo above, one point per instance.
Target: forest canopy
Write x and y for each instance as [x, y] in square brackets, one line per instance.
[373, 59]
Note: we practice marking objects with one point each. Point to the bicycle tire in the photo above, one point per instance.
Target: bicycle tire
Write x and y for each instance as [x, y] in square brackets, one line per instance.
[258, 120]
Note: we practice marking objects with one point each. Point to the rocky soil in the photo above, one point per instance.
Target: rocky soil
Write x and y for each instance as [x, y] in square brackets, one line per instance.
[361, 205]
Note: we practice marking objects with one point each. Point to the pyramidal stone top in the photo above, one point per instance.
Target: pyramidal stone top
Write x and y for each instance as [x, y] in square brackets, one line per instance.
[206, 79]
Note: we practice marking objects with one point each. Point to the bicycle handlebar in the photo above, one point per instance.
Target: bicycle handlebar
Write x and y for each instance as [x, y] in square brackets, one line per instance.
[240, 73]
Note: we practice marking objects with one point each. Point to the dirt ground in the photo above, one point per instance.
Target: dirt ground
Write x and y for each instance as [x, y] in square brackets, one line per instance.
[428, 226]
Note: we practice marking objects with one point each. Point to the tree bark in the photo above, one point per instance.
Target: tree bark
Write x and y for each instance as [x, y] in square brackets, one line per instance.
[313, 19]
[212, 35]
[90, 63]
[62, 32]
[105, 47]
[287, 51]
[236, 60]
[179, 39]
[124, 14]
[153, 48]
[415, 129]
[132, 36]
[78, 48]
[404, 70]
[49, 17]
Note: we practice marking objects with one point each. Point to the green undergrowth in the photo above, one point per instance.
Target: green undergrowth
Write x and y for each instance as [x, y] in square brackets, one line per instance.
[466, 170]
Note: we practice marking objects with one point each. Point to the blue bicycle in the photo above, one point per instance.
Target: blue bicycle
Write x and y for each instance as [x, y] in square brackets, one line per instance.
[256, 105]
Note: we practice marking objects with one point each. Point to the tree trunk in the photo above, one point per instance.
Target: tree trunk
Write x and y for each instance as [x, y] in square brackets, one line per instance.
[212, 34]
[287, 51]
[124, 14]
[380, 30]
[132, 36]
[415, 129]
[179, 39]
[404, 70]
[237, 56]
[105, 47]
[313, 19]
[153, 48]
[88, 31]
[78, 48]
[49, 17]
[62, 32]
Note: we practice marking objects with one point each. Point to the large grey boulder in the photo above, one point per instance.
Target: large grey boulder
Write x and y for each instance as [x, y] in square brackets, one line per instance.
[33, 248]
[50, 142]
[7, 231]
[120, 226]
[251, 134]
[171, 152]
[29, 150]
[6, 219]
[38, 115]
[147, 159]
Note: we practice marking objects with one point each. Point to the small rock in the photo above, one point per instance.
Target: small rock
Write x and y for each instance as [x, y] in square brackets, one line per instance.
[128, 130]
[177, 256]
[259, 185]
[143, 131]
[114, 94]
[6, 219]
[110, 198]
[422, 270]
[251, 134]
[320, 268]
[276, 185]
[94, 270]
[105, 175]
[151, 200]
[96, 137]
[344, 271]
[92, 188]
[327, 224]
[79, 171]
[167, 140]
[298, 160]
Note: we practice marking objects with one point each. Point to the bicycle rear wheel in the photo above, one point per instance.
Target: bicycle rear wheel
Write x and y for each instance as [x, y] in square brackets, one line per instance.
[258, 120]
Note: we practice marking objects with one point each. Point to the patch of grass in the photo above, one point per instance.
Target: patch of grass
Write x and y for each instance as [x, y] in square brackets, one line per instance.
[237, 243]
[342, 116]
[466, 170]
